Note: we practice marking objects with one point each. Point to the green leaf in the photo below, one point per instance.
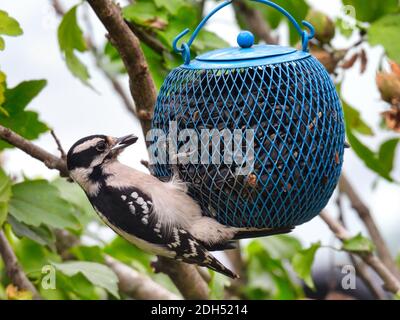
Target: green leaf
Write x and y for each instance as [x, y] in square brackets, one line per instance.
[2, 89]
[385, 32]
[358, 244]
[124, 251]
[387, 153]
[144, 13]
[5, 195]
[98, 274]
[281, 246]
[70, 35]
[17, 98]
[8, 25]
[217, 286]
[77, 287]
[354, 120]
[25, 123]
[42, 235]
[77, 68]
[172, 6]
[268, 277]
[373, 9]
[74, 195]
[70, 39]
[371, 159]
[302, 264]
[33, 257]
[38, 202]
[88, 253]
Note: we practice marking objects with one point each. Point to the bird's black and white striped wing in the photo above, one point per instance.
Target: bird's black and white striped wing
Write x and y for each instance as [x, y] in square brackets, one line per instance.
[129, 210]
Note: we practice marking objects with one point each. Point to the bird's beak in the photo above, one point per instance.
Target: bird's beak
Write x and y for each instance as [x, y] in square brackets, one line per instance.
[123, 142]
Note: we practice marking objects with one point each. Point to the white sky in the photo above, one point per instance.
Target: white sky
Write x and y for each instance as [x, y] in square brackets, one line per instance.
[74, 110]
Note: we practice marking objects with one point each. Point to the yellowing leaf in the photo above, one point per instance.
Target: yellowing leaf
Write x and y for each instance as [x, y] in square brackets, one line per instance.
[2, 87]
[13, 293]
[8, 25]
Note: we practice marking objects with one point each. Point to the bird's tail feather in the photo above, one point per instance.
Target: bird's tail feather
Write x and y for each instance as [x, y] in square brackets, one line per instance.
[212, 263]
[217, 266]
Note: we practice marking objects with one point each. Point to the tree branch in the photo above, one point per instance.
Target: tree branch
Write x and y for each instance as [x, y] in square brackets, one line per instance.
[185, 277]
[254, 21]
[365, 215]
[391, 283]
[13, 268]
[144, 94]
[136, 285]
[148, 39]
[50, 160]
[361, 268]
[364, 274]
[142, 86]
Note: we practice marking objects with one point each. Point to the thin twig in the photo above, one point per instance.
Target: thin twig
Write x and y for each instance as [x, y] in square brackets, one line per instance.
[366, 217]
[361, 268]
[59, 146]
[391, 283]
[13, 268]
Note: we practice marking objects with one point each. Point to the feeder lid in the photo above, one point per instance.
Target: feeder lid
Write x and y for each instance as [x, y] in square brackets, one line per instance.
[246, 55]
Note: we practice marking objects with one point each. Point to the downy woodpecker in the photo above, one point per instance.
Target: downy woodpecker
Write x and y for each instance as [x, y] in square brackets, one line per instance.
[158, 217]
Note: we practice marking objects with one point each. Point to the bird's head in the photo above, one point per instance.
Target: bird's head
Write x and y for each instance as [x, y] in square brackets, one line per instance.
[94, 151]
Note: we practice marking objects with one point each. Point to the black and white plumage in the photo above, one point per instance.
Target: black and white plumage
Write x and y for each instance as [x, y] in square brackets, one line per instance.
[158, 217]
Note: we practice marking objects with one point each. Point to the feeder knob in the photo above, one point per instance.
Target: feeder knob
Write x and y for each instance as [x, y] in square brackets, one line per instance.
[245, 39]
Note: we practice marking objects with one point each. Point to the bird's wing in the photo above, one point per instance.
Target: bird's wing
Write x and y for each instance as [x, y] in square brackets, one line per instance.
[129, 210]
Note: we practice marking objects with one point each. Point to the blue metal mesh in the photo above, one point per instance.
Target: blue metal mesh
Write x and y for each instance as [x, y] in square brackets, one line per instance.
[299, 139]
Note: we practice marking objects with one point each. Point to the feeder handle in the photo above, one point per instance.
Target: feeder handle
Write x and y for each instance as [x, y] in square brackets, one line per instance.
[184, 50]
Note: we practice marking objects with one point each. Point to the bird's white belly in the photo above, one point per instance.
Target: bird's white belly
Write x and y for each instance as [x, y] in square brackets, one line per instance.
[140, 243]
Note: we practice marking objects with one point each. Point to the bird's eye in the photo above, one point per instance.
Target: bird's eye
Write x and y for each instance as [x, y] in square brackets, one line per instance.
[101, 146]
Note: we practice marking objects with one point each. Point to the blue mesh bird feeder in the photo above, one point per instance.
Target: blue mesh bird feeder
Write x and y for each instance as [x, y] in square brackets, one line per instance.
[287, 97]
